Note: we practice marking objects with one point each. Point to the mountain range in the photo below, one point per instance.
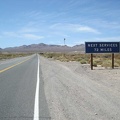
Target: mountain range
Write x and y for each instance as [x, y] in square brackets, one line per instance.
[45, 48]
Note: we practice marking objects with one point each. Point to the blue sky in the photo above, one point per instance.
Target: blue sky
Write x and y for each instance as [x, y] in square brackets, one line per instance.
[24, 22]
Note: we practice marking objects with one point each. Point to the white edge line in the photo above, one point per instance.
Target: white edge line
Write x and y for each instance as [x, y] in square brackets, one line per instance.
[36, 106]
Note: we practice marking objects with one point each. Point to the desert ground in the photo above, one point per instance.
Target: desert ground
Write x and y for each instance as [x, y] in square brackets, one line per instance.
[75, 92]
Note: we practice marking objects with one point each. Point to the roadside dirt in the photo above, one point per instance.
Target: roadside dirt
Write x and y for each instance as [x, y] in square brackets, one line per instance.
[74, 92]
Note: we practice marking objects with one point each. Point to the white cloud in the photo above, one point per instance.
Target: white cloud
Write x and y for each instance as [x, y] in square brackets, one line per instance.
[32, 14]
[22, 35]
[88, 29]
[105, 24]
[74, 28]
[32, 36]
[28, 30]
[108, 39]
[10, 34]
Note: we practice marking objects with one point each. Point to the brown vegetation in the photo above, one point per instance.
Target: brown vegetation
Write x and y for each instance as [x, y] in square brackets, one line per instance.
[10, 55]
[99, 59]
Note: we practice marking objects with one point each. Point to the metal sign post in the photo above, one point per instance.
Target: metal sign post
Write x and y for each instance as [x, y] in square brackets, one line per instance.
[112, 60]
[91, 61]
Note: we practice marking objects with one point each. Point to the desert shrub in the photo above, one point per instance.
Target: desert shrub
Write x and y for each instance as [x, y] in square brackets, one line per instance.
[116, 65]
[95, 64]
[117, 61]
[83, 61]
[10, 55]
[117, 56]
[50, 56]
[107, 63]
[98, 61]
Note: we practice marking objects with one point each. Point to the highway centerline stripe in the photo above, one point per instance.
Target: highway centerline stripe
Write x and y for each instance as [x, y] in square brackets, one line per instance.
[36, 106]
[13, 66]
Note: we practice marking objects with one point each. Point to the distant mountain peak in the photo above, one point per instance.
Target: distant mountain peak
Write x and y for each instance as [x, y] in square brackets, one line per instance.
[41, 47]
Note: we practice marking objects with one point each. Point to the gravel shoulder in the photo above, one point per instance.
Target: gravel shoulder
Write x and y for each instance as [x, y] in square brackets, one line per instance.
[74, 92]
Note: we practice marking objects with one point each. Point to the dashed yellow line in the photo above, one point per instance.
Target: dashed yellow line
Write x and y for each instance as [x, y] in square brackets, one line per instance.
[13, 65]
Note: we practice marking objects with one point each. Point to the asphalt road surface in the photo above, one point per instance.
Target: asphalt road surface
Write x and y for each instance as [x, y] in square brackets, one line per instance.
[22, 94]
[36, 88]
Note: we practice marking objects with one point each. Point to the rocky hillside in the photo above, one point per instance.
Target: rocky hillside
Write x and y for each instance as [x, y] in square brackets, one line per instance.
[44, 48]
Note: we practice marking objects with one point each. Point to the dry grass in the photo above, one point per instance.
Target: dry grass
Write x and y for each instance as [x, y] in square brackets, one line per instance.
[67, 57]
[10, 56]
[99, 59]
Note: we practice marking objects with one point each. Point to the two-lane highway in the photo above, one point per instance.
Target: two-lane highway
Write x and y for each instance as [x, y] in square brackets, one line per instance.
[22, 94]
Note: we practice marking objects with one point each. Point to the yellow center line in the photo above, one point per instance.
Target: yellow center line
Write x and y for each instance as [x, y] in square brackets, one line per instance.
[13, 65]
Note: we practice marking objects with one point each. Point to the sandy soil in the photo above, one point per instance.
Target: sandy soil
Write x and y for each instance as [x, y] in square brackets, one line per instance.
[74, 92]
